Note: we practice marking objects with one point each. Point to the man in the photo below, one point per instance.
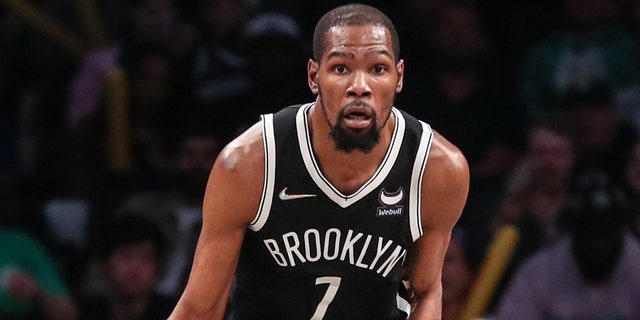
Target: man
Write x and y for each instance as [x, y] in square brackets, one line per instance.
[30, 284]
[590, 273]
[343, 198]
[130, 253]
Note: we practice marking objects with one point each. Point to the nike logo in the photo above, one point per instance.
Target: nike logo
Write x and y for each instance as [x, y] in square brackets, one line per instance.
[285, 196]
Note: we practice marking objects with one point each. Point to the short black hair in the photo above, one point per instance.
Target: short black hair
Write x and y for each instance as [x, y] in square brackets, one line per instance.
[130, 229]
[352, 15]
[596, 198]
[596, 94]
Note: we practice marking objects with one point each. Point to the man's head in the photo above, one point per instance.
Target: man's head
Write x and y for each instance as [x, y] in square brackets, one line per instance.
[461, 264]
[352, 15]
[356, 71]
[594, 116]
[551, 154]
[131, 251]
[457, 38]
[600, 216]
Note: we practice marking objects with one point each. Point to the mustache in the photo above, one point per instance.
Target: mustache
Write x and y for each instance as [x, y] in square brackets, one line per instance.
[358, 103]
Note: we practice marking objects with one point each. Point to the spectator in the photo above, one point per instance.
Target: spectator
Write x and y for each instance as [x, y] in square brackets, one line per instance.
[219, 69]
[147, 24]
[602, 136]
[461, 264]
[533, 193]
[593, 47]
[130, 258]
[176, 205]
[272, 44]
[538, 189]
[30, 285]
[536, 192]
[466, 98]
[151, 122]
[589, 274]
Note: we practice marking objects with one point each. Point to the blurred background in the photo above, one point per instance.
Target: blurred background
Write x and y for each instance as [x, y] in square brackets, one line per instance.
[117, 108]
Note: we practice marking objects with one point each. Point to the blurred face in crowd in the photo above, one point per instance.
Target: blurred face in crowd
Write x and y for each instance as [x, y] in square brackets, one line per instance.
[457, 34]
[133, 269]
[224, 17]
[551, 156]
[151, 86]
[153, 21]
[457, 276]
[597, 126]
[198, 153]
[356, 80]
[597, 247]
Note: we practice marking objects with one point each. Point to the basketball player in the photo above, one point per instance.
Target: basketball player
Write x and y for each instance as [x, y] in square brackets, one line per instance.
[321, 210]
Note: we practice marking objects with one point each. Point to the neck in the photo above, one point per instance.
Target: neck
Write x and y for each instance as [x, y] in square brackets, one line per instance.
[347, 171]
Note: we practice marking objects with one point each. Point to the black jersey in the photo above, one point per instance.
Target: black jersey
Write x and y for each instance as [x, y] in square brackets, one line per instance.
[315, 253]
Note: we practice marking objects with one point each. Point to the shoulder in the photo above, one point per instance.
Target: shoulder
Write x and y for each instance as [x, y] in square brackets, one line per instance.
[446, 163]
[445, 184]
[243, 151]
[236, 180]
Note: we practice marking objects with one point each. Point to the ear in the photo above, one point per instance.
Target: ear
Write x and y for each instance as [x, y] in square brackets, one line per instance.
[400, 72]
[312, 76]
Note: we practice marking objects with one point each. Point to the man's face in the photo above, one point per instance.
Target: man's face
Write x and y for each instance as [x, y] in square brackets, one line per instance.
[356, 79]
[552, 157]
[597, 248]
[457, 275]
[133, 269]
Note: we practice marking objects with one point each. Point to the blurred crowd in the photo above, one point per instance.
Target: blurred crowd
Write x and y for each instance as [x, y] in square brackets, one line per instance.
[542, 96]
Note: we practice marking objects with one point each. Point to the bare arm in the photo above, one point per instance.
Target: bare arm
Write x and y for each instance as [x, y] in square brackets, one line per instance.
[444, 193]
[230, 203]
[23, 286]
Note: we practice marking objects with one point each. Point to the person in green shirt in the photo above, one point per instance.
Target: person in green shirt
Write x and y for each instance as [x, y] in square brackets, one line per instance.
[30, 285]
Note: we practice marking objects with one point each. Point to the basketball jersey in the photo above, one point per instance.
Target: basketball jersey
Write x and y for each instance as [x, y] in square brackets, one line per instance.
[314, 253]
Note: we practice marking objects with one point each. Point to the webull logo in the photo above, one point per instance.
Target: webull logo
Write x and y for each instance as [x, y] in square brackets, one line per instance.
[390, 211]
[389, 202]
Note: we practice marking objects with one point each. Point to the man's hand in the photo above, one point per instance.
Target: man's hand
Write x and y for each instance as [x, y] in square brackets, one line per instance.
[22, 286]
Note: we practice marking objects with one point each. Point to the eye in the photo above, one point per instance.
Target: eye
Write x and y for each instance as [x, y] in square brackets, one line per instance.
[379, 69]
[340, 69]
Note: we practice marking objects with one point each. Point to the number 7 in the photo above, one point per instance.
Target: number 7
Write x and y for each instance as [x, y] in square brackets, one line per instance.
[334, 283]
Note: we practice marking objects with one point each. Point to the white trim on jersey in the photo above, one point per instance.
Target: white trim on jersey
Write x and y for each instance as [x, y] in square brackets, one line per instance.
[415, 199]
[403, 305]
[269, 142]
[304, 141]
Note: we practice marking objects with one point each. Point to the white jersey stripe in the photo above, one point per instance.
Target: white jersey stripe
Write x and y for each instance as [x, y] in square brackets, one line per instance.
[415, 221]
[403, 305]
[304, 141]
[269, 141]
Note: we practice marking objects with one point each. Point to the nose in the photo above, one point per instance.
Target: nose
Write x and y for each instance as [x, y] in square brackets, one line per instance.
[359, 86]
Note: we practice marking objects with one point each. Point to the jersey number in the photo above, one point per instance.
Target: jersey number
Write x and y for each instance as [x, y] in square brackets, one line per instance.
[334, 283]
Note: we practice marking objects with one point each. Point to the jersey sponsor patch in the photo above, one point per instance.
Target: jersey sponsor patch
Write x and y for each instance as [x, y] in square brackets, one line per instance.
[389, 203]
[391, 198]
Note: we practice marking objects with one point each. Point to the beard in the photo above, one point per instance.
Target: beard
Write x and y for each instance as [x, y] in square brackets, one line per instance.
[346, 139]
[597, 266]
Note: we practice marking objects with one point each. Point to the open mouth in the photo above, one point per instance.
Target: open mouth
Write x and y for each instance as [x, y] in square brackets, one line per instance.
[357, 117]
